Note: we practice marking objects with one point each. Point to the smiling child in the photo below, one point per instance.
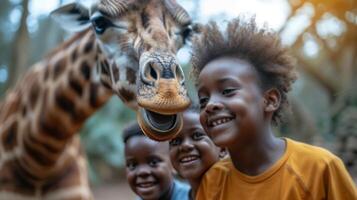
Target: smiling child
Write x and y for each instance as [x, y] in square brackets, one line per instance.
[148, 167]
[243, 75]
[192, 152]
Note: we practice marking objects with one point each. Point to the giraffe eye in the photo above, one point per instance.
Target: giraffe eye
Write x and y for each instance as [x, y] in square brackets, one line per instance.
[186, 32]
[100, 24]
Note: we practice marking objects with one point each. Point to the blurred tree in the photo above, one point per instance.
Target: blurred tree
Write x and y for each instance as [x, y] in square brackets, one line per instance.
[5, 41]
[19, 55]
[328, 56]
[101, 138]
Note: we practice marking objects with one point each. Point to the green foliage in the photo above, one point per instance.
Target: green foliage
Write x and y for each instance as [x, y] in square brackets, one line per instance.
[101, 136]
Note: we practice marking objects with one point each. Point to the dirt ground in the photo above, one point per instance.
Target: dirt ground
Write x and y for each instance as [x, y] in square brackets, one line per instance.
[119, 190]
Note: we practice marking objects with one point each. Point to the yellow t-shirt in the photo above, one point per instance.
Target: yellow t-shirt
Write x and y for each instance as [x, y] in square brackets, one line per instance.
[303, 172]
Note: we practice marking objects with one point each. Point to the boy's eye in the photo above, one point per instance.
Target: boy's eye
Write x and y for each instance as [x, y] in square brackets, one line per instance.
[203, 101]
[153, 162]
[228, 91]
[131, 165]
[175, 142]
[197, 135]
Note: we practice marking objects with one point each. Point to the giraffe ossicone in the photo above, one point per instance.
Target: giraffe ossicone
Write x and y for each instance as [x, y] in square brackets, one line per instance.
[147, 48]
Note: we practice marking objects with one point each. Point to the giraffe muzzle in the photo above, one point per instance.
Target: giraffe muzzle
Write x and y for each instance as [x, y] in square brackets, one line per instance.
[161, 85]
[161, 95]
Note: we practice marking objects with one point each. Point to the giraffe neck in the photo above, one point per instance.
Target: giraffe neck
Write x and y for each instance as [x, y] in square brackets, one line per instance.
[40, 116]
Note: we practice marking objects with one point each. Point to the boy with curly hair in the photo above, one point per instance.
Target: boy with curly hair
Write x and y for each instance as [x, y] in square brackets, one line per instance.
[242, 76]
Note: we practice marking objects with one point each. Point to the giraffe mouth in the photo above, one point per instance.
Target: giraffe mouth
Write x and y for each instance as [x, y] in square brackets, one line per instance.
[158, 126]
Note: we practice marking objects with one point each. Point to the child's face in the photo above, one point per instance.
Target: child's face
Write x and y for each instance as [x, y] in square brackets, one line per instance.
[192, 152]
[148, 168]
[231, 101]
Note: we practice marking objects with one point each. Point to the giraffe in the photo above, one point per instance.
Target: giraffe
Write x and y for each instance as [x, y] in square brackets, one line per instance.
[122, 47]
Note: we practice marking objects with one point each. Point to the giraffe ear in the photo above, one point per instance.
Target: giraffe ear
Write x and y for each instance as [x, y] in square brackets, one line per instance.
[72, 17]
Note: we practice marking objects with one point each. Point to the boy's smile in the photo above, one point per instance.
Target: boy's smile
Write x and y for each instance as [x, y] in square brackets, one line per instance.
[146, 184]
[189, 159]
[231, 100]
[219, 120]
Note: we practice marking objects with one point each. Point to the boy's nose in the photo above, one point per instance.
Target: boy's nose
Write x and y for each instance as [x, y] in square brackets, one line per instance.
[143, 171]
[186, 145]
[213, 106]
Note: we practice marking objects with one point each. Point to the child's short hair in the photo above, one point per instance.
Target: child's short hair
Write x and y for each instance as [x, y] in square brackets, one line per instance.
[244, 40]
[131, 130]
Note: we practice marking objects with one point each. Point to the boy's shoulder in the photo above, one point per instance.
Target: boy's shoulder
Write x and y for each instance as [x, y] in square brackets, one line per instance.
[310, 153]
[181, 190]
[223, 166]
[308, 160]
[219, 171]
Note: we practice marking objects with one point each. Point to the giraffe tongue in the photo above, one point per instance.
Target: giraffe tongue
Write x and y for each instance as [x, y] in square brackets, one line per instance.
[161, 122]
[157, 126]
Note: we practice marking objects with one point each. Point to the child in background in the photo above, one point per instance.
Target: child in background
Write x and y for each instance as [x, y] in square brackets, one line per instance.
[148, 167]
[192, 152]
[242, 77]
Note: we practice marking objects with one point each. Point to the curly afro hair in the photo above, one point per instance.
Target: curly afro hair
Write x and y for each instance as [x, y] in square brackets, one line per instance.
[244, 40]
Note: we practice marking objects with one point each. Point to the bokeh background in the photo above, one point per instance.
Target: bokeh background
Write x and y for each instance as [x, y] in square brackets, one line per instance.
[321, 34]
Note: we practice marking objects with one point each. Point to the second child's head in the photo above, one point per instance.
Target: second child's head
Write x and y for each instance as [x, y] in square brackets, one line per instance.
[192, 152]
[148, 166]
[242, 76]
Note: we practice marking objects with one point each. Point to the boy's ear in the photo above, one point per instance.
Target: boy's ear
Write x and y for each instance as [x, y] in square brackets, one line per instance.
[72, 17]
[271, 100]
[222, 152]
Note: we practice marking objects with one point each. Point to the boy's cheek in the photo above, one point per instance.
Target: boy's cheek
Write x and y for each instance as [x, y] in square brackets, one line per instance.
[173, 155]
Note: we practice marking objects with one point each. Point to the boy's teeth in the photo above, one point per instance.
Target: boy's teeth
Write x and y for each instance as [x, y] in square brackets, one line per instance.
[220, 121]
[145, 185]
[188, 159]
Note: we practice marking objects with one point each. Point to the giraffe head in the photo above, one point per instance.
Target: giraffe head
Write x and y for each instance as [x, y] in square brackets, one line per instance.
[141, 37]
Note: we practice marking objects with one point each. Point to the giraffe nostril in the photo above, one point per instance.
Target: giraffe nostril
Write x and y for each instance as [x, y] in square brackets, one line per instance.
[153, 73]
[149, 74]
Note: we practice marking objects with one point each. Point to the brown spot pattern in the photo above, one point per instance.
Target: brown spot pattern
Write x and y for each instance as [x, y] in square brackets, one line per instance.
[105, 67]
[93, 93]
[9, 136]
[74, 55]
[13, 179]
[88, 46]
[144, 19]
[79, 116]
[47, 73]
[49, 123]
[85, 70]
[38, 155]
[130, 75]
[75, 85]
[106, 84]
[34, 93]
[69, 176]
[24, 110]
[65, 103]
[36, 141]
[59, 68]
[127, 95]
[116, 73]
